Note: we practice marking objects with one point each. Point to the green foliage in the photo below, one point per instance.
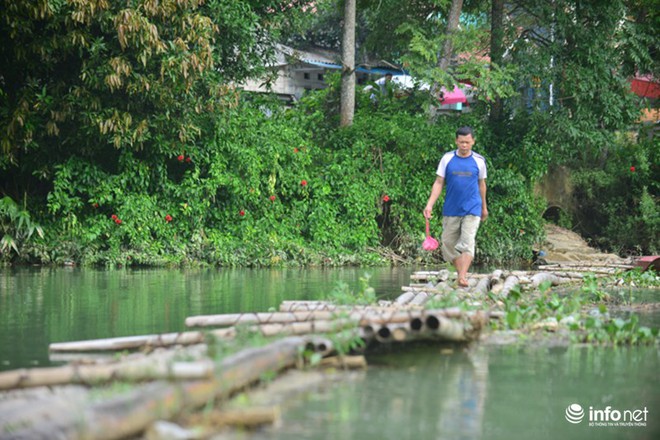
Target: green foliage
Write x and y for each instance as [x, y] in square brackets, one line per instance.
[619, 198]
[515, 223]
[16, 227]
[342, 294]
[583, 312]
[638, 278]
[121, 118]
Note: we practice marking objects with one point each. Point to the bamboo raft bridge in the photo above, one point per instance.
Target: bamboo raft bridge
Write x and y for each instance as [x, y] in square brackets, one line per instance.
[174, 374]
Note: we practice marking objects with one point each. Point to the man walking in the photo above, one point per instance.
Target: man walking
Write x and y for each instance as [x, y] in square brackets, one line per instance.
[464, 174]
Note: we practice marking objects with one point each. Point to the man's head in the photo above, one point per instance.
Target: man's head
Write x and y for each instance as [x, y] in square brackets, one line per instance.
[464, 141]
[388, 77]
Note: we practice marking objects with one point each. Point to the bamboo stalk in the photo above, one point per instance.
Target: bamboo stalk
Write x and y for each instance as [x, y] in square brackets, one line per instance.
[419, 299]
[306, 327]
[362, 315]
[226, 320]
[144, 369]
[482, 286]
[509, 283]
[446, 329]
[129, 413]
[188, 338]
[543, 277]
[244, 417]
[135, 342]
[347, 362]
[405, 298]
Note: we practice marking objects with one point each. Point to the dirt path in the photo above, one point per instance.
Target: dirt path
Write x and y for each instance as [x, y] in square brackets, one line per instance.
[565, 245]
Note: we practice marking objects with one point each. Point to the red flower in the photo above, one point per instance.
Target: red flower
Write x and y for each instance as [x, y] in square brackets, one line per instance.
[632, 169]
[241, 213]
[118, 221]
[168, 218]
[272, 198]
[95, 205]
[188, 159]
[180, 158]
[303, 182]
[113, 216]
[386, 198]
[295, 150]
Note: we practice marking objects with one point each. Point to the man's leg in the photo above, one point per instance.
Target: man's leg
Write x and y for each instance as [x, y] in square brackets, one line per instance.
[462, 264]
[466, 245]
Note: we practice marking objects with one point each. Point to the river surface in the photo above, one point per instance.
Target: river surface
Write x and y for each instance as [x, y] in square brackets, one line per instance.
[412, 391]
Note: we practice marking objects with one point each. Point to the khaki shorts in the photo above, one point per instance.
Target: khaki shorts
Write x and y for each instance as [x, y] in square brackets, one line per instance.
[458, 236]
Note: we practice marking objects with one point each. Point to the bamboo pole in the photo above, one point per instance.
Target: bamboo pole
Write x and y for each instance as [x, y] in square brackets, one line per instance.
[404, 298]
[301, 307]
[226, 320]
[188, 338]
[347, 362]
[482, 287]
[542, 277]
[446, 329]
[144, 369]
[136, 342]
[509, 283]
[359, 314]
[129, 413]
[306, 327]
[244, 417]
[419, 299]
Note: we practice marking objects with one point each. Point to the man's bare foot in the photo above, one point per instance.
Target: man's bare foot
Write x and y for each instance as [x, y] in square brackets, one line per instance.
[462, 282]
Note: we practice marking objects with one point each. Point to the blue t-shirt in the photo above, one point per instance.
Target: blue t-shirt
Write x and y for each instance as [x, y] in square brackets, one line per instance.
[462, 175]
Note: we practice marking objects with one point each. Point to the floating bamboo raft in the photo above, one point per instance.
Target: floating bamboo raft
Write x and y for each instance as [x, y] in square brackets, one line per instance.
[176, 372]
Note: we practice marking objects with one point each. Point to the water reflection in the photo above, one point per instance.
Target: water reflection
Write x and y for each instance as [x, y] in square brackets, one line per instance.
[39, 306]
[426, 391]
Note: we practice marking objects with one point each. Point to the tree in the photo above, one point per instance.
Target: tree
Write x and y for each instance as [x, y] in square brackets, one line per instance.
[95, 79]
[496, 54]
[348, 65]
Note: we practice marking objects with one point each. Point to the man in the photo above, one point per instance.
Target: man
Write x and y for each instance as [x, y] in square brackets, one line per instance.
[464, 173]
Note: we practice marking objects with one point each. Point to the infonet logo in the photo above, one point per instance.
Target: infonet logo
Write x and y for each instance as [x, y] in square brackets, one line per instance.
[574, 413]
[606, 417]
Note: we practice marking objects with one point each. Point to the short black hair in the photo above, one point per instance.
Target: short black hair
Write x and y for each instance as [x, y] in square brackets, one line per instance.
[464, 131]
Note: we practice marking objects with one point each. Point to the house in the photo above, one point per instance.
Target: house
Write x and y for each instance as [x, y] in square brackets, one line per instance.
[296, 71]
[646, 87]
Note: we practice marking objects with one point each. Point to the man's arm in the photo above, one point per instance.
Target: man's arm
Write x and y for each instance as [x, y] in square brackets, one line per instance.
[436, 190]
[484, 205]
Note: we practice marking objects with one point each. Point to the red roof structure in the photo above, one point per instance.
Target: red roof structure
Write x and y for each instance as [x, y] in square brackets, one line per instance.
[644, 86]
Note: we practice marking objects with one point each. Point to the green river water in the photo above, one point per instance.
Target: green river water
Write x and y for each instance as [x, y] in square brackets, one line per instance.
[412, 391]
